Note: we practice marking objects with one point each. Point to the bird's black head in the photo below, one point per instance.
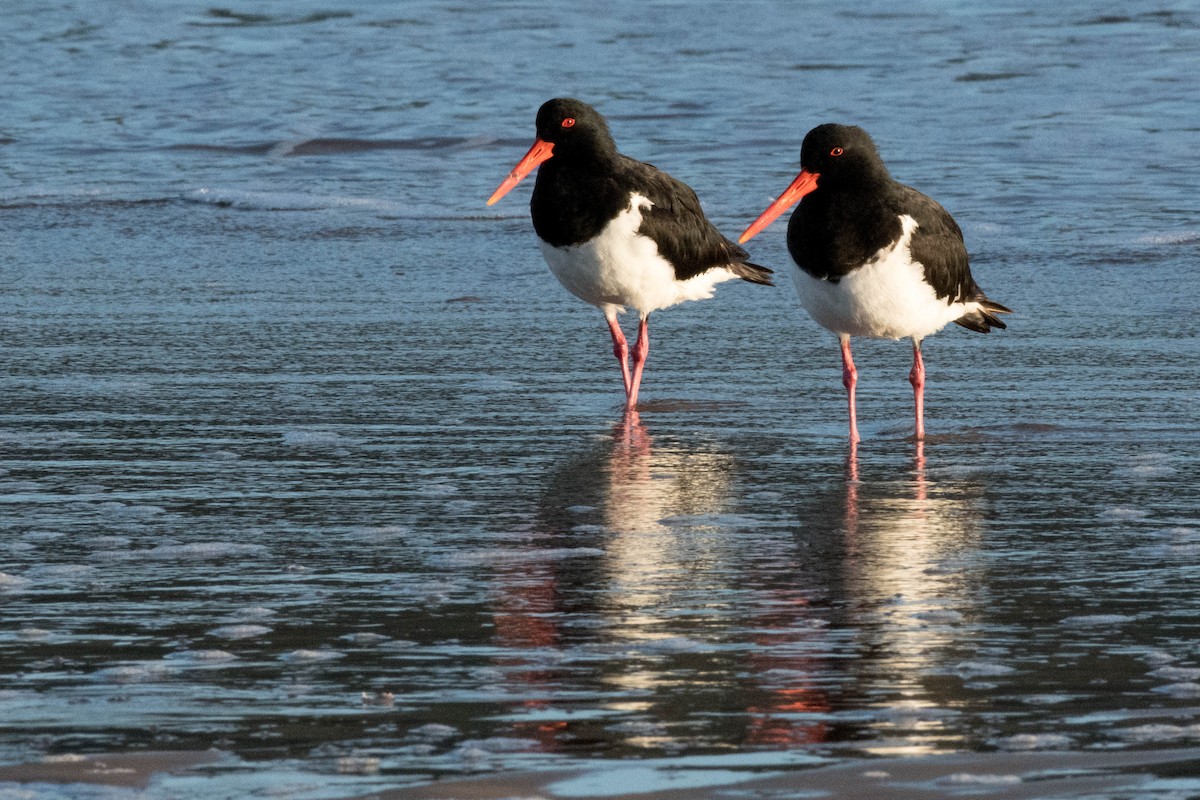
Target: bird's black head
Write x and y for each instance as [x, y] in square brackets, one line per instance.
[568, 132]
[841, 154]
[832, 156]
[573, 127]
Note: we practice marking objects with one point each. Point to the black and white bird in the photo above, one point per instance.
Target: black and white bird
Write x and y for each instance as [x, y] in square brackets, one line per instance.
[619, 233]
[874, 257]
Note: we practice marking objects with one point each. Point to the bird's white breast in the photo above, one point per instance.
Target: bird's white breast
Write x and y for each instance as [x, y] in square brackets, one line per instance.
[620, 268]
[885, 298]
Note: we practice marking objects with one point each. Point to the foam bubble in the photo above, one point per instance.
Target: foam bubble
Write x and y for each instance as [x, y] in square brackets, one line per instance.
[640, 728]
[33, 634]
[1095, 620]
[42, 536]
[1172, 238]
[1035, 741]
[133, 673]
[12, 582]
[967, 778]
[382, 533]
[1124, 512]
[672, 644]
[434, 732]
[240, 631]
[201, 550]
[314, 439]
[1177, 673]
[1147, 471]
[364, 637]
[499, 744]
[54, 572]
[976, 669]
[1188, 689]
[312, 656]
[1147, 465]
[386, 699]
[253, 612]
[1159, 732]
[1158, 657]
[119, 509]
[285, 201]
[438, 489]
[202, 656]
[491, 383]
[64, 758]
[358, 765]
[1046, 699]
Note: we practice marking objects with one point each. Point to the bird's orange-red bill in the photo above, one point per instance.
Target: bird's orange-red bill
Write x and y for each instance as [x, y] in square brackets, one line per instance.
[805, 182]
[541, 151]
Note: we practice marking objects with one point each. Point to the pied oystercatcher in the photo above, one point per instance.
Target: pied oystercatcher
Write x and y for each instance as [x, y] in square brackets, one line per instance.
[874, 257]
[618, 232]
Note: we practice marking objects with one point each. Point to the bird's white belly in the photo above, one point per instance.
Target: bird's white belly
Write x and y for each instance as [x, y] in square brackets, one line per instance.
[886, 298]
[620, 268]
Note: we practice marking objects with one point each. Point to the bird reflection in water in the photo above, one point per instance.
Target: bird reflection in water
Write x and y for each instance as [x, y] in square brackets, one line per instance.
[531, 596]
[684, 616]
[624, 498]
[651, 499]
[793, 662]
[907, 574]
[920, 491]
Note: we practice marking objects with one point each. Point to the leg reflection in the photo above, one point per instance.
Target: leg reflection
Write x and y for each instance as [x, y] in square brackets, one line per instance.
[852, 484]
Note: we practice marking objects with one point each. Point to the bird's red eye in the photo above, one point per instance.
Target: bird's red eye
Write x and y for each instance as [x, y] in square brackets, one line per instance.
[569, 122]
[837, 151]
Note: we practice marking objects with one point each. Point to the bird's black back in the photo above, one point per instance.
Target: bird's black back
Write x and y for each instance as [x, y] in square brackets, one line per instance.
[836, 230]
[575, 198]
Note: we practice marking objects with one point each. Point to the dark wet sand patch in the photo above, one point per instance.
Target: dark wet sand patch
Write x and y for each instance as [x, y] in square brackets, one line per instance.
[997, 776]
[131, 770]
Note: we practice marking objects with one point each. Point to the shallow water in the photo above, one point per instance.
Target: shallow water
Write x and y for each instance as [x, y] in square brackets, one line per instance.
[306, 457]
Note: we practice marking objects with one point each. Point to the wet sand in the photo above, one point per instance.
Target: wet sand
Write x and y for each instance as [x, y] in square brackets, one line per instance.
[127, 770]
[1002, 776]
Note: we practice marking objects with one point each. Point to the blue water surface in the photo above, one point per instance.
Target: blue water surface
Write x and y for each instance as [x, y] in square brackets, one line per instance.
[304, 455]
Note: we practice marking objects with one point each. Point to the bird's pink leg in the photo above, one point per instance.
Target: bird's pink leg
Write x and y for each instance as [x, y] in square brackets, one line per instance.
[621, 351]
[641, 349]
[850, 380]
[916, 377]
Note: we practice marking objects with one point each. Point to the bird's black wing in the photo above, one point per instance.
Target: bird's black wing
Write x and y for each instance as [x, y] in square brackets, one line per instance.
[937, 244]
[677, 224]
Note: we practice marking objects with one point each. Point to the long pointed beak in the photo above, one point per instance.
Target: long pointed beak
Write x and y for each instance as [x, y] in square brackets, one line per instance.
[805, 182]
[541, 151]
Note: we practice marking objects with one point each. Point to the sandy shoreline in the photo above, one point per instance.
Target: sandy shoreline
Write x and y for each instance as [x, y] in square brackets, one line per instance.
[131, 770]
[997, 776]
[1000, 776]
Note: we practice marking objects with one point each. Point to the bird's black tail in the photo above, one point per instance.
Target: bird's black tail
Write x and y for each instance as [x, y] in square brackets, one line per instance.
[984, 319]
[753, 273]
